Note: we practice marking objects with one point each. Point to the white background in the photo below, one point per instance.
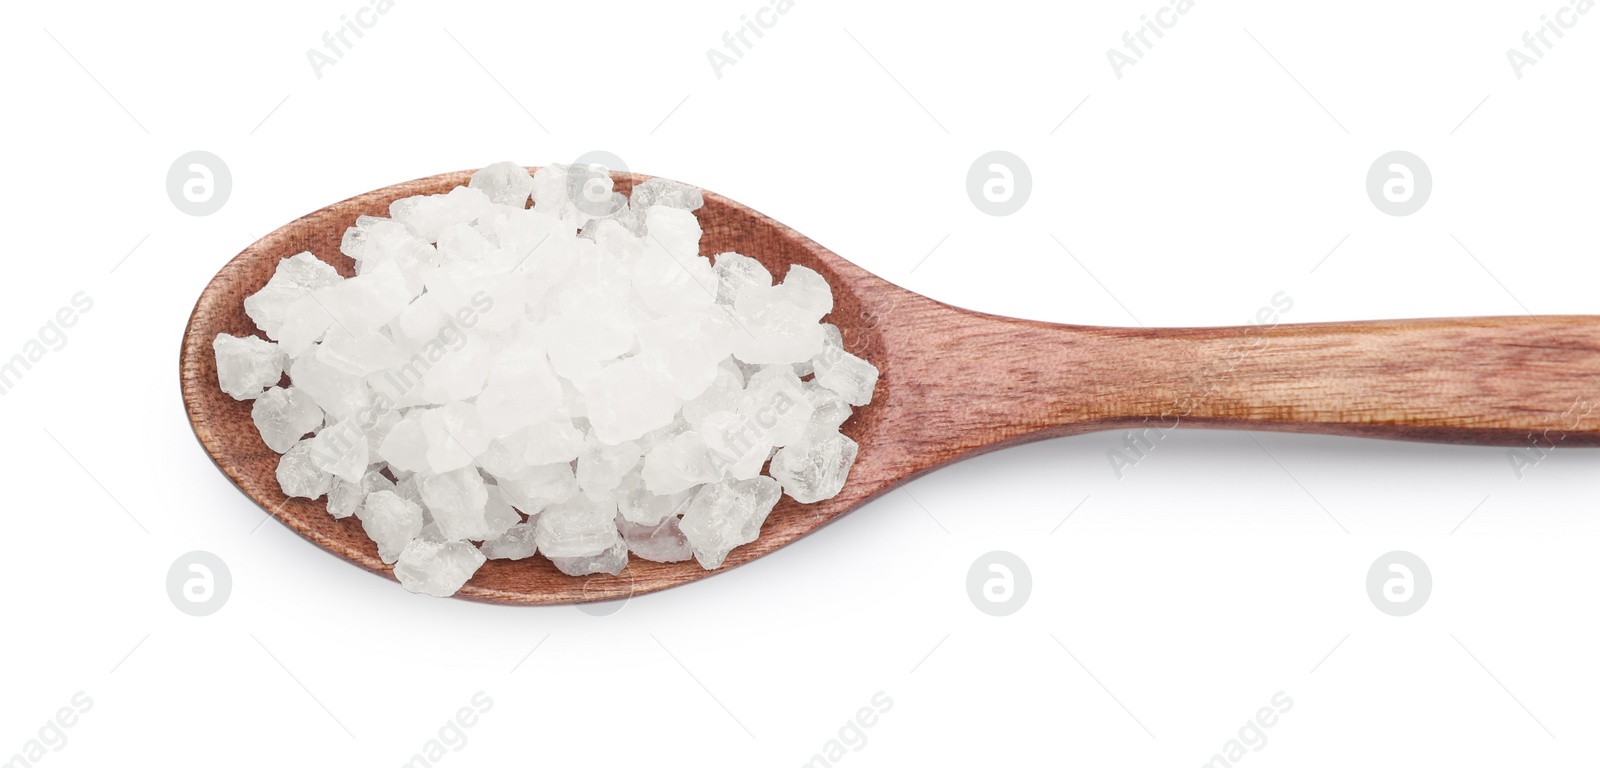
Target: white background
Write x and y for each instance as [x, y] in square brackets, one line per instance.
[1164, 612]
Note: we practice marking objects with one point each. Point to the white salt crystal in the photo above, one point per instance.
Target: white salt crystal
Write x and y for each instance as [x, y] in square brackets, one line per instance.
[505, 183]
[435, 566]
[815, 468]
[612, 560]
[406, 446]
[662, 542]
[293, 278]
[517, 543]
[578, 527]
[304, 324]
[390, 521]
[601, 467]
[628, 399]
[775, 401]
[346, 498]
[338, 393]
[540, 487]
[457, 501]
[498, 515]
[678, 464]
[299, 477]
[427, 215]
[553, 441]
[247, 365]
[727, 514]
[665, 192]
[340, 449]
[283, 416]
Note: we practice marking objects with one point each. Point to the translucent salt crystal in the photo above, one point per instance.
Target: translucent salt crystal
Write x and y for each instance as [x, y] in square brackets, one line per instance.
[727, 514]
[367, 301]
[306, 322]
[293, 278]
[427, 215]
[601, 467]
[637, 505]
[435, 566]
[357, 355]
[626, 400]
[391, 522]
[247, 365]
[578, 527]
[299, 477]
[517, 543]
[505, 183]
[454, 436]
[775, 401]
[774, 331]
[828, 409]
[540, 487]
[457, 501]
[672, 278]
[739, 446]
[498, 514]
[410, 489]
[612, 560]
[735, 271]
[680, 463]
[806, 289]
[553, 441]
[662, 542]
[377, 426]
[406, 445]
[844, 373]
[284, 415]
[503, 457]
[463, 243]
[520, 391]
[340, 449]
[346, 498]
[668, 193]
[815, 468]
[337, 393]
[723, 394]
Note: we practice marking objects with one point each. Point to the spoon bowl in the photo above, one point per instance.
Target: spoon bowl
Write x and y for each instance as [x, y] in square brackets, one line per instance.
[954, 383]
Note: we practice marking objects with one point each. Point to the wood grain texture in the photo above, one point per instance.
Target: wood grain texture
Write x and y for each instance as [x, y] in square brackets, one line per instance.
[956, 383]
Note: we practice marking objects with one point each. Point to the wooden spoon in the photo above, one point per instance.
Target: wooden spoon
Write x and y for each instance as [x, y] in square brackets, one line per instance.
[957, 383]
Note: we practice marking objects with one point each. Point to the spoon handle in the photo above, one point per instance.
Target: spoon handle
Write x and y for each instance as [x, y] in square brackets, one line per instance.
[1516, 381]
[1529, 382]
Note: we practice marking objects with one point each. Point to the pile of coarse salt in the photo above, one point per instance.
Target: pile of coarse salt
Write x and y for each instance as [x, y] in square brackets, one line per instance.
[572, 379]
